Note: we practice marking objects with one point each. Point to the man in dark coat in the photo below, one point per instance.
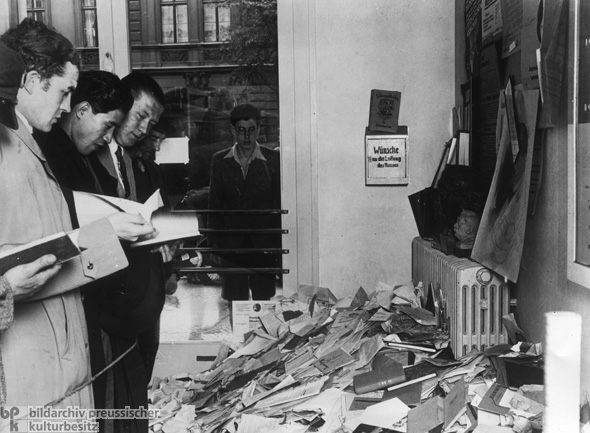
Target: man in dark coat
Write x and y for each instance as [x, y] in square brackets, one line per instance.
[246, 177]
[132, 312]
[99, 105]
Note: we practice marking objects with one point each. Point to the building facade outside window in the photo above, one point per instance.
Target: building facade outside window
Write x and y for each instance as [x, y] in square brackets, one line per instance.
[89, 23]
[217, 21]
[174, 21]
[37, 9]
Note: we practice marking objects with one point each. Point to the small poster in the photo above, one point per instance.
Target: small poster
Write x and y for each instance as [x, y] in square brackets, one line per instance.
[248, 315]
[384, 113]
[387, 159]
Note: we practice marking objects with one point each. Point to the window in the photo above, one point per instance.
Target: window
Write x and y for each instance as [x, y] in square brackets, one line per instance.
[174, 21]
[217, 22]
[89, 23]
[37, 9]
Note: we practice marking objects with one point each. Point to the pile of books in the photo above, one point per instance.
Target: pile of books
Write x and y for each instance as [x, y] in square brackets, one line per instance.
[324, 365]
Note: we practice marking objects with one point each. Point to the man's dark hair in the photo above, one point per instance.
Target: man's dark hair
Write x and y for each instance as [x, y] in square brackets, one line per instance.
[140, 83]
[244, 112]
[43, 49]
[104, 92]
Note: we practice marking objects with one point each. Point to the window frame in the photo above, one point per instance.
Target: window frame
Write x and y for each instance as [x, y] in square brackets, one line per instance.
[218, 4]
[173, 5]
[83, 9]
[46, 10]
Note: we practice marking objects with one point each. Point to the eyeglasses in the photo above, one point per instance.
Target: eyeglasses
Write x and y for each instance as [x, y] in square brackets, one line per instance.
[242, 131]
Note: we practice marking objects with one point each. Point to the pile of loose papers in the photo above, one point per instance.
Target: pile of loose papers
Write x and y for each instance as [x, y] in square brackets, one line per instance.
[351, 365]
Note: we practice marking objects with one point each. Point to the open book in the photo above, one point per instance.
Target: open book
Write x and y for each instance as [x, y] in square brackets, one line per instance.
[86, 254]
[61, 245]
[169, 226]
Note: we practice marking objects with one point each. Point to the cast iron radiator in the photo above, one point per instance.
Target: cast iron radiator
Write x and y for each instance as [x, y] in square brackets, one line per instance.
[475, 297]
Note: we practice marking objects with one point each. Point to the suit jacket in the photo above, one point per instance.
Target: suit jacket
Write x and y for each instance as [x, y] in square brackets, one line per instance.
[135, 297]
[229, 190]
[102, 158]
[72, 169]
[149, 178]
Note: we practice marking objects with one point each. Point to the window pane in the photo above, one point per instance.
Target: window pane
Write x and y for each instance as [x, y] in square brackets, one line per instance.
[167, 34]
[37, 16]
[90, 36]
[167, 24]
[224, 31]
[181, 24]
[35, 4]
[210, 13]
[210, 32]
[89, 3]
[224, 14]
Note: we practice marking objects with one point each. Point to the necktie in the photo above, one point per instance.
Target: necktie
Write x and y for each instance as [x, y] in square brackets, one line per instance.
[92, 174]
[122, 171]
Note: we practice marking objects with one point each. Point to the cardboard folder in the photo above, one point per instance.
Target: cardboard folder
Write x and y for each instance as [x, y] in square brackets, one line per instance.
[101, 255]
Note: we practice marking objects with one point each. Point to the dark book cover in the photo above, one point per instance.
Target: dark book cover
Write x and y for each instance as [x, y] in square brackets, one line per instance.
[411, 395]
[386, 372]
[366, 428]
[59, 244]
[384, 111]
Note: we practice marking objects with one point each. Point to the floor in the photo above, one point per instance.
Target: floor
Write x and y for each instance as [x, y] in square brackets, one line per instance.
[194, 323]
[195, 312]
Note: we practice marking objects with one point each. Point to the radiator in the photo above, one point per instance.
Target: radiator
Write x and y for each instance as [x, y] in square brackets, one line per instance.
[476, 298]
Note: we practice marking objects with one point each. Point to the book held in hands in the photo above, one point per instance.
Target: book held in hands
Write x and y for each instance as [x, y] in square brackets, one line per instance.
[59, 244]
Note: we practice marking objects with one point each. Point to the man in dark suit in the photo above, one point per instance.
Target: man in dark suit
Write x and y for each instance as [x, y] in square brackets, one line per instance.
[99, 105]
[245, 177]
[131, 310]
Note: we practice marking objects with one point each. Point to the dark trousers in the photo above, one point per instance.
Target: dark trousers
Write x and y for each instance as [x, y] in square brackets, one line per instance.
[237, 287]
[148, 343]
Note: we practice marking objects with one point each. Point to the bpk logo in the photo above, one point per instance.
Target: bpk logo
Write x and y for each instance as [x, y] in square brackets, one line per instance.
[9, 414]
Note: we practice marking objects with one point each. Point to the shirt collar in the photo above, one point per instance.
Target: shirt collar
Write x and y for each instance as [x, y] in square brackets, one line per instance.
[113, 145]
[22, 117]
[232, 153]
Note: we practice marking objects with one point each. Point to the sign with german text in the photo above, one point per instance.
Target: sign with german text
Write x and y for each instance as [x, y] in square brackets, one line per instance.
[386, 159]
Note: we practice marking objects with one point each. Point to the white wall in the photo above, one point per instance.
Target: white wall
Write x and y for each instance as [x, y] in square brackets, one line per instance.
[4, 17]
[348, 234]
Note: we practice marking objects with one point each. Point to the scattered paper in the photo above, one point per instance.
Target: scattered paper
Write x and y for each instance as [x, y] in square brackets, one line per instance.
[384, 414]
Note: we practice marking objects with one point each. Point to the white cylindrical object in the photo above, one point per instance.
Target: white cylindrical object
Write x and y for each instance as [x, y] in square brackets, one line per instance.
[563, 339]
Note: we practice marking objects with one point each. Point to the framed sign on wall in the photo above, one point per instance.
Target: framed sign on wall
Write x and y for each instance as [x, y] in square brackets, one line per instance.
[386, 158]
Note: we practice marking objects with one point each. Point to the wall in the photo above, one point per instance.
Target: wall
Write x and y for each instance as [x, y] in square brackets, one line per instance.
[4, 16]
[348, 234]
[542, 284]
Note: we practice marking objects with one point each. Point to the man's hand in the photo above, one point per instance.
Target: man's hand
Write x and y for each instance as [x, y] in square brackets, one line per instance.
[129, 226]
[26, 280]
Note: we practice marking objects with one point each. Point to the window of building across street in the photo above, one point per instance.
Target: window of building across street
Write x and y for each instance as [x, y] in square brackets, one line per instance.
[37, 9]
[174, 21]
[89, 23]
[217, 22]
